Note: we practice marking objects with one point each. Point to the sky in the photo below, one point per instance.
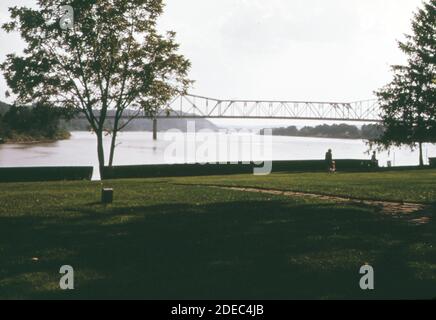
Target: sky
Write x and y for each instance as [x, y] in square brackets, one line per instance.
[311, 50]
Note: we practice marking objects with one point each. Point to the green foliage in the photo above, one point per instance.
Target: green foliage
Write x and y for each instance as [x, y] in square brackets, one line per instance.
[343, 131]
[409, 101]
[32, 123]
[371, 131]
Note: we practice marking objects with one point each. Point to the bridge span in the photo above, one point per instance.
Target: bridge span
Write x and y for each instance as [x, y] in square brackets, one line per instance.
[193, 107]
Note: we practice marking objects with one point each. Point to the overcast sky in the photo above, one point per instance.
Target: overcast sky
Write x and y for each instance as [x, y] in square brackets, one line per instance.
[323, 50]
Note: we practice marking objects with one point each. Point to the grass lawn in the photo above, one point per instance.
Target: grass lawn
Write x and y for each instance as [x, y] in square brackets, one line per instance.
[179, 239]
[409, 186]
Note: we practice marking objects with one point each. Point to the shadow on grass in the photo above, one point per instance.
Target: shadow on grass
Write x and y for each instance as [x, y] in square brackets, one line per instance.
[231, 250]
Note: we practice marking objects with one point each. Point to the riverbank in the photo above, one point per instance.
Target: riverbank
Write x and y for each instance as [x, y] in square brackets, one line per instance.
[21, 138]
[139, 148]
[176, 238]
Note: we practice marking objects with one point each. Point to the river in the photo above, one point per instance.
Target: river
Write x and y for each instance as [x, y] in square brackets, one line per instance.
[139, 148]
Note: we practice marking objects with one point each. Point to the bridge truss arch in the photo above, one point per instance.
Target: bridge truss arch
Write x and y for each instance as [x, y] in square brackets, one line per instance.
[194, 106]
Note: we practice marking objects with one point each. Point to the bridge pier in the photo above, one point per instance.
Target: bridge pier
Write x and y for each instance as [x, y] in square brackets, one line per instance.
[155, 129]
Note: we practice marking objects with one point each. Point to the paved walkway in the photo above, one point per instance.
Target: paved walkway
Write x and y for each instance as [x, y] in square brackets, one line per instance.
[417, 213]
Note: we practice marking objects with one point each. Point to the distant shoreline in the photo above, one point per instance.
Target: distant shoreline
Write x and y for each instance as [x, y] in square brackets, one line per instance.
[218, 131]
[335, 131]
[318, 137]
[27, 139]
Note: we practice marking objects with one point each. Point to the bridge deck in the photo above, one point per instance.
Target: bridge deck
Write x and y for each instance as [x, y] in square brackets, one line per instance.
[192, 107]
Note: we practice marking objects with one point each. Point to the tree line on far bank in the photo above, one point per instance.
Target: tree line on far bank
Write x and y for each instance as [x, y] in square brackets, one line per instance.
[337, 131]
[29, 124]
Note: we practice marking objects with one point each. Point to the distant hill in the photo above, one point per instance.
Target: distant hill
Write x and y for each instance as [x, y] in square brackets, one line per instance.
[4, 107]
[81, 124]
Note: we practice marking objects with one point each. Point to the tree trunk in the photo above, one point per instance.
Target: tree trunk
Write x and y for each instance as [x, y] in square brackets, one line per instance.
[421, 156]
[112, 151]
[100, 152]
[118, 115]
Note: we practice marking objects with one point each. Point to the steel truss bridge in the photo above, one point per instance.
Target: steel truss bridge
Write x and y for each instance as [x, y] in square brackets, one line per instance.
[190, 106]
[193, 106]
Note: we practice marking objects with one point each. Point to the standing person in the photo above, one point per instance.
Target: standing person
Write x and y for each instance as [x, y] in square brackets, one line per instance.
[374, 161]
[329, 160]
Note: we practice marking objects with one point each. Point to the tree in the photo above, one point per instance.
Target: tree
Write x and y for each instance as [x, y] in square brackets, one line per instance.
[371, 131]
[38, 121]
[408, 103]
[106, 58]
